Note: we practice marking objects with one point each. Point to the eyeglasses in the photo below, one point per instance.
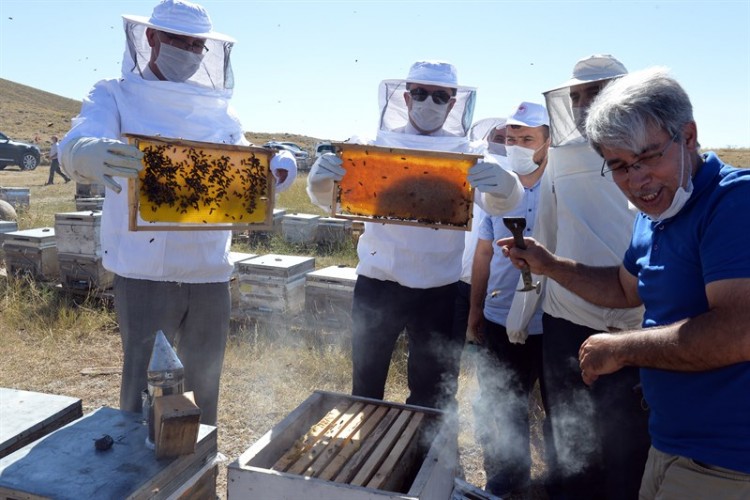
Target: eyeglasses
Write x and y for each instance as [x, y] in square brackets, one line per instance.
[183, 42]
[650, 160]
[438, 96]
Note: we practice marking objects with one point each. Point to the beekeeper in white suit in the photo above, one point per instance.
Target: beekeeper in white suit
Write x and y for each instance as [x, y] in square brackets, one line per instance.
[584, 216]
[176, 82]
[407, 276]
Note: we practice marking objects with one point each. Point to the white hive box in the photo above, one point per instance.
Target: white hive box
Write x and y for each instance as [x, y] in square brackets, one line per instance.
[273, 283]
[31, 252]
[18, 197]
[234, 281]
[78, 232]
[328, 296]
[299, 228]
[7, 226]
[92, 204]
[84, 272]
[90, 190]
[333, 231]
[340, 447]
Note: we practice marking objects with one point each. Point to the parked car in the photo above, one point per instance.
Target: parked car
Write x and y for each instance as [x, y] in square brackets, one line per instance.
[302, 156]
[18, 153]
[323, 147]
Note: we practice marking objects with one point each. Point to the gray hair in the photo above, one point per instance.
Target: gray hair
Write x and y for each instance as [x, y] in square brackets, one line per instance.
[622, 114]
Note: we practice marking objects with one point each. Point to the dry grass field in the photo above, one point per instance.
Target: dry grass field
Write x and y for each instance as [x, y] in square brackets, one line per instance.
[51, 343]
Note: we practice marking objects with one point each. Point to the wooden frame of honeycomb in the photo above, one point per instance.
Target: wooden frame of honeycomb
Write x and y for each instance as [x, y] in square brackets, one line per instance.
[405, 186]
[191, 185]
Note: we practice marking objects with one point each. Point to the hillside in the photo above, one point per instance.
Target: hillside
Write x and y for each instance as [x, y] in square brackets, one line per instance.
[33, 115]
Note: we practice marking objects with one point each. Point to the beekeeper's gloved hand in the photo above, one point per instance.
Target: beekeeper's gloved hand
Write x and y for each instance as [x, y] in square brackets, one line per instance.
[326, 169]
[284, 168]
[517, 336]
[500, 189]
[92, 160]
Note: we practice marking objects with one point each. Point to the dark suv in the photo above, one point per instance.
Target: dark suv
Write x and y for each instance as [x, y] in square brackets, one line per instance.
[18, 153]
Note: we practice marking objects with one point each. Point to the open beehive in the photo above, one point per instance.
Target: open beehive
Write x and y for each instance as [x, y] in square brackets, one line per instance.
[336, 446]
[405, 186]
[198, 185]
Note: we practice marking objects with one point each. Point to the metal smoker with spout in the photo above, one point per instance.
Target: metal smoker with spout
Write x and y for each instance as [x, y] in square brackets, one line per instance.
[165, 375]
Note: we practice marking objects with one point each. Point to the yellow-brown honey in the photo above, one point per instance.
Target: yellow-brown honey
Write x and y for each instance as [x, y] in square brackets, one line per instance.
[401, 185]
[186, 183]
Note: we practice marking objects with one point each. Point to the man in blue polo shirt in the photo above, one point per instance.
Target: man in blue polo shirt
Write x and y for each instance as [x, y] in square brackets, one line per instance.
[688, 263]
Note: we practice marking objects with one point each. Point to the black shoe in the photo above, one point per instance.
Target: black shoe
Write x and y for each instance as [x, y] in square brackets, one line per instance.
[48, 183]
[67, 181]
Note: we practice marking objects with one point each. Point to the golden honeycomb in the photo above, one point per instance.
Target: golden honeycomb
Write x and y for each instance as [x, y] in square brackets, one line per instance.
[405, 185]
[202, 184]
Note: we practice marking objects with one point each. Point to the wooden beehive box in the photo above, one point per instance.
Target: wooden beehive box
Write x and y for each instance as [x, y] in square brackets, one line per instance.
[405, 186]
[199, 185]
[65, 463]
[333, 231]
[328, 296]
[84, 272]
[18, 197]
[31, 252]
[78, 232]
[90, 204]
[273, 283]
[299, 228]
[89, 190]
[26, 416]
[340, 447]
[234, 281]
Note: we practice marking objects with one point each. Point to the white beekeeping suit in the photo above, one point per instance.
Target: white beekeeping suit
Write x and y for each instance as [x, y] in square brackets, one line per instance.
[582, 215]
[194, 108]
[413, 256]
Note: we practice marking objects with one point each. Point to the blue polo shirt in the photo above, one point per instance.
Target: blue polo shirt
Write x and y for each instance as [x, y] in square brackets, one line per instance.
[700, 415]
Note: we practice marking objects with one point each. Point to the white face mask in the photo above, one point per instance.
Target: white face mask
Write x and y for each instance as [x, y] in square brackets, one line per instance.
[177, 65]
[681, 196]
[521, 160]
[428, 116]
[497, 149]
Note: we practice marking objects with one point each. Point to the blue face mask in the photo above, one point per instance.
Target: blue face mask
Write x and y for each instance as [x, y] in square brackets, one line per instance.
[177, 65]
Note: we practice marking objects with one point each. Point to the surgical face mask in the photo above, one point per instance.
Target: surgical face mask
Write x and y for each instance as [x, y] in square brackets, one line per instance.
[497, 149]
[521, 160]
[428, 116]
[681, 196]
[177, 65]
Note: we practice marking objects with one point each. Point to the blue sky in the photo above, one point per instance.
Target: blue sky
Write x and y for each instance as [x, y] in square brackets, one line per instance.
[313, 68]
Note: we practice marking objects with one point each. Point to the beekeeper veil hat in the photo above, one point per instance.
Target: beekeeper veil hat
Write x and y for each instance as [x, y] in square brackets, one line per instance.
[567, 123]
[180, 17]
[393, 108]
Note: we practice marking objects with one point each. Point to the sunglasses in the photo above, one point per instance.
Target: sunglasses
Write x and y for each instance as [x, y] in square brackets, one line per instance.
[438, 96]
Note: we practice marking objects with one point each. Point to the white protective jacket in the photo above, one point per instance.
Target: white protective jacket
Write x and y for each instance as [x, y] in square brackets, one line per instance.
[585, 217]
[134, 105]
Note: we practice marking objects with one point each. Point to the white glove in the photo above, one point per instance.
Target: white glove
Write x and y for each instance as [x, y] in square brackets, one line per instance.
[323, 173]
[91, 160]
[500, 190]
[283, 166]
[517, 337]
[490, 177]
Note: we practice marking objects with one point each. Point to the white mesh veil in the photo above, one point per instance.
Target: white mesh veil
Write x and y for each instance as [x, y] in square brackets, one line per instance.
[394, 113]
[215, 71]
[564, 126]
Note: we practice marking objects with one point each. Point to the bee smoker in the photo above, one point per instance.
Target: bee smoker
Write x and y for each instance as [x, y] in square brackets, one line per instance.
[165, 376]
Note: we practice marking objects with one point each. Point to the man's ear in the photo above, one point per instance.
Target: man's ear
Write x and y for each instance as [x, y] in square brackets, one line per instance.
[690, 134]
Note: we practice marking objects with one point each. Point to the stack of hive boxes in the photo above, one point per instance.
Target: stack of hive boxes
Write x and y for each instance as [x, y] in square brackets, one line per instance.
[89, 196]
[32, 253]
[328, 297]
[79, 251]
[272, 287]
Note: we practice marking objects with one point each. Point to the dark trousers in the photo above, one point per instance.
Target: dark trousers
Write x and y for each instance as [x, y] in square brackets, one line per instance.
[381, 310]
[600, 432]
[507, 374]
[195, 319]
[54, 168]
